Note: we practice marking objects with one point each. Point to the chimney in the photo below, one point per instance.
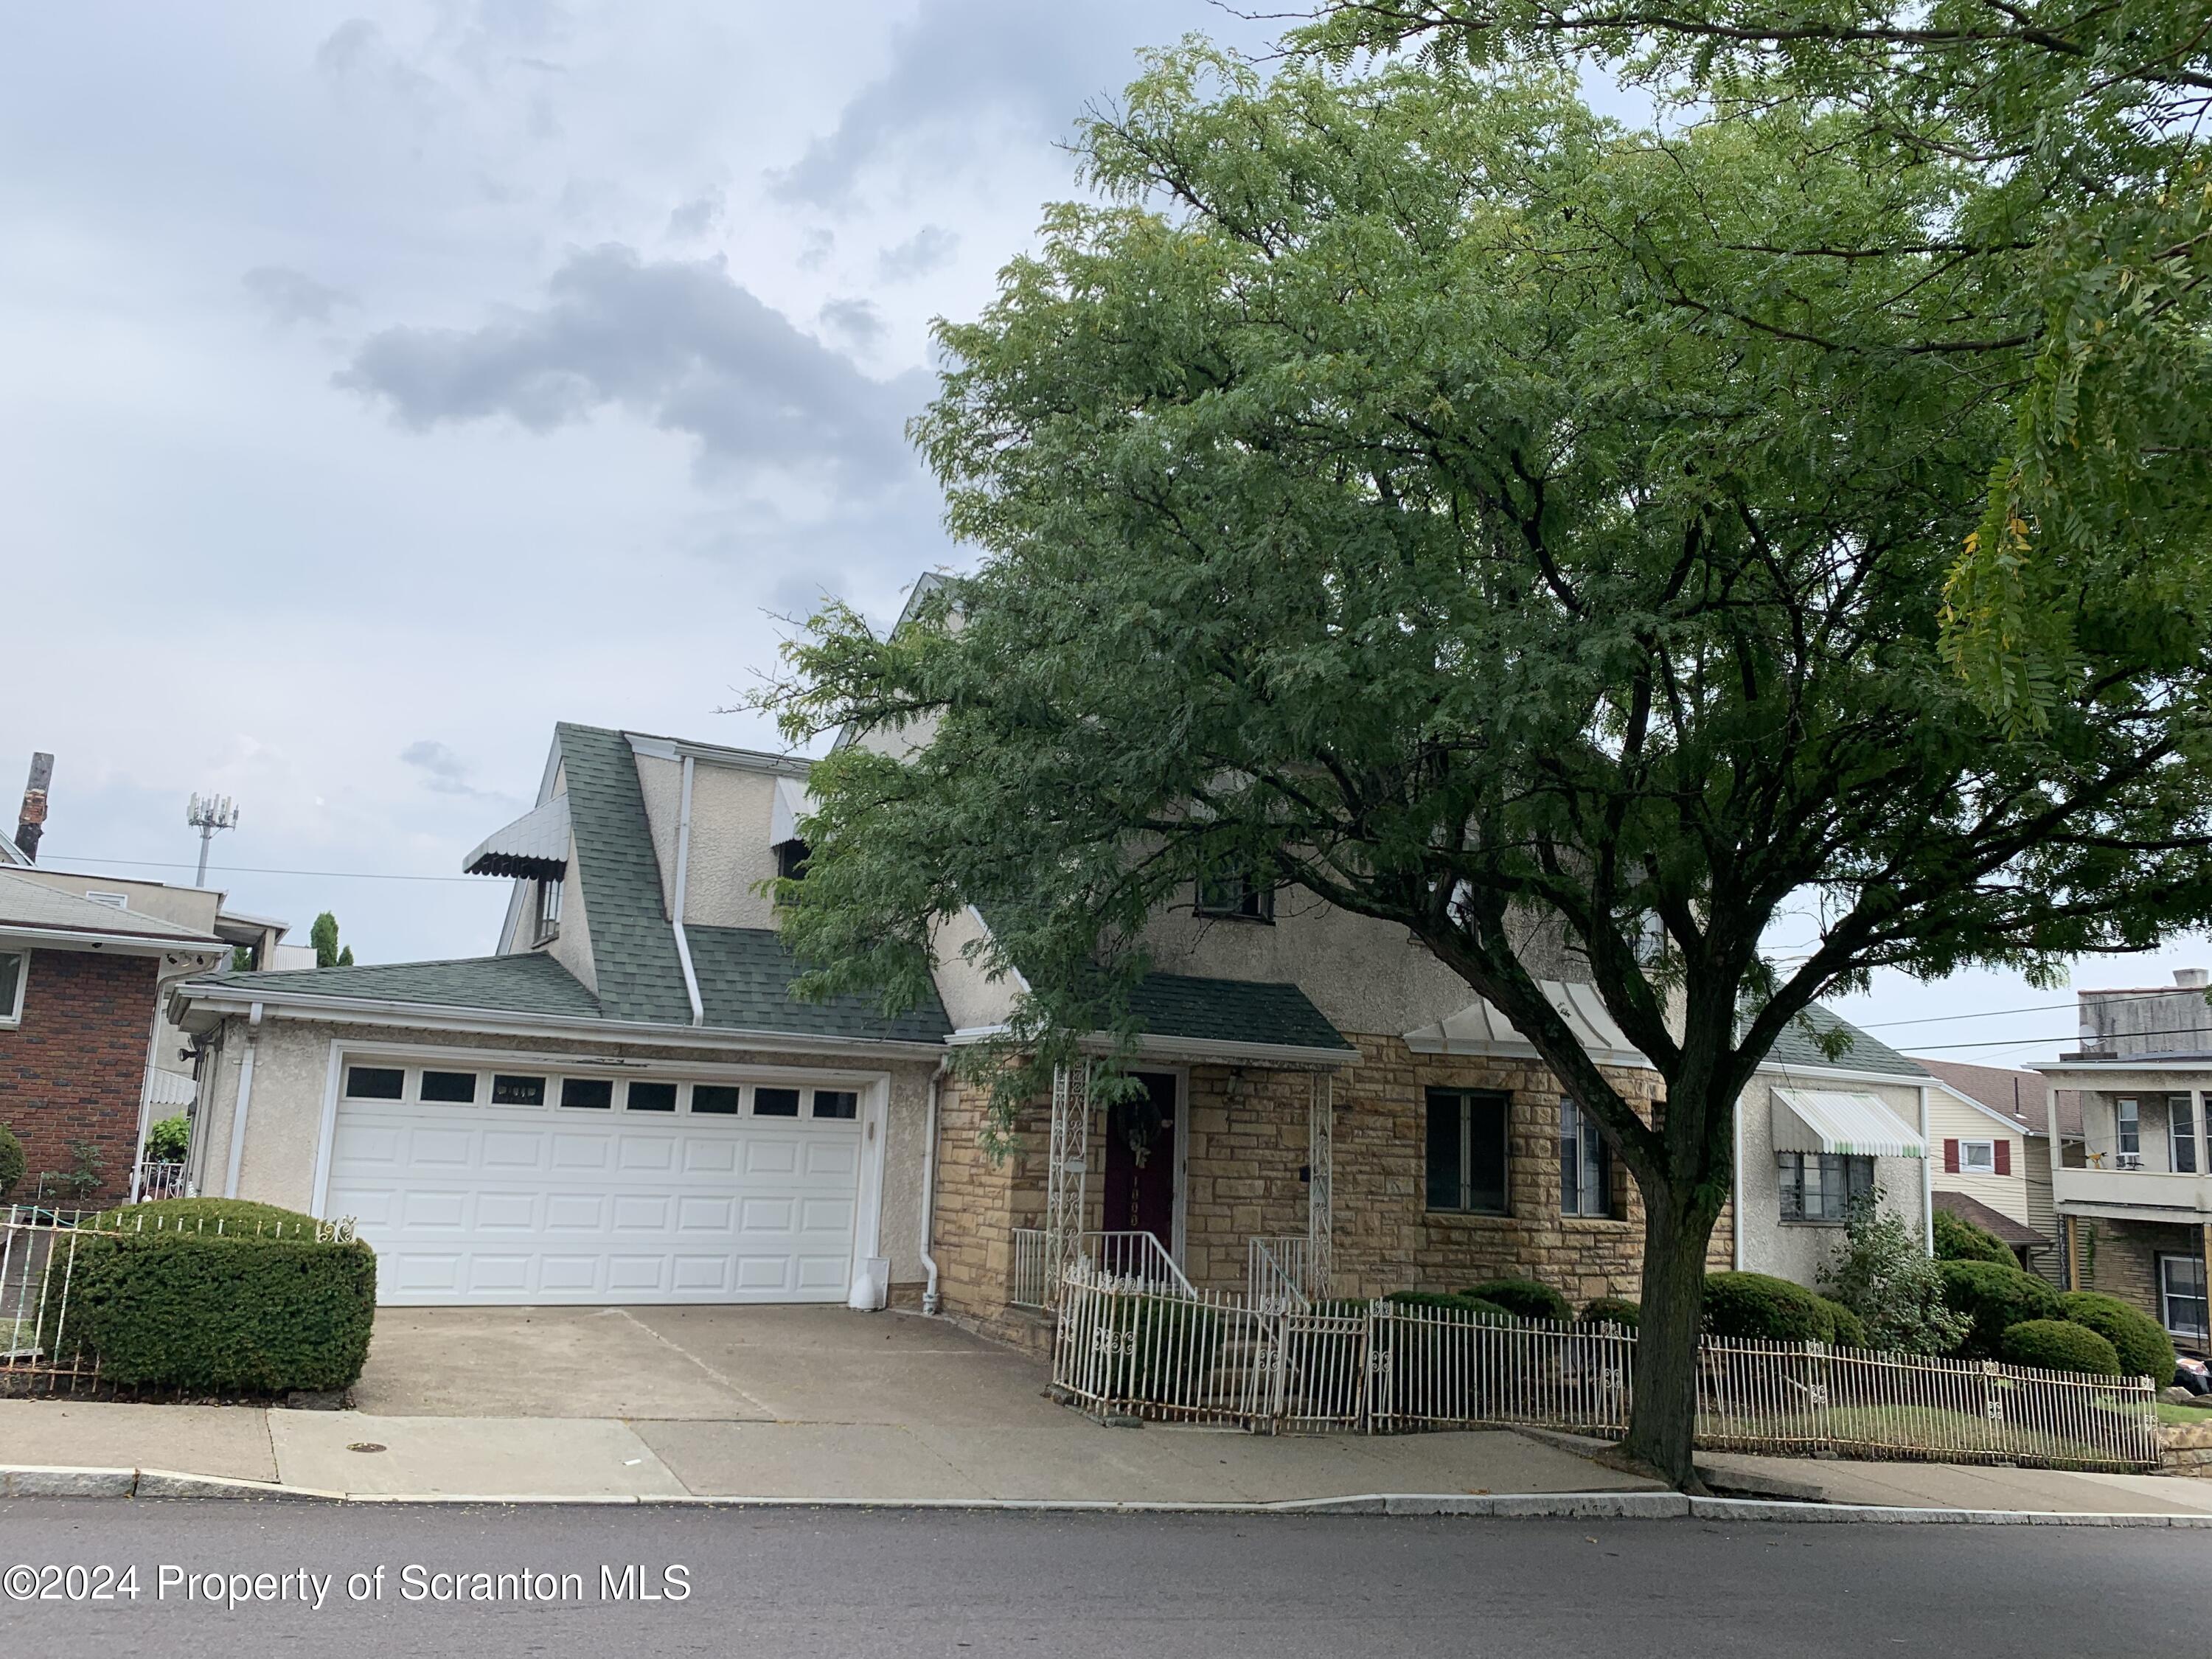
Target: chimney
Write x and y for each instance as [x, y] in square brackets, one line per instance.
[31, 822]
[2191, 979]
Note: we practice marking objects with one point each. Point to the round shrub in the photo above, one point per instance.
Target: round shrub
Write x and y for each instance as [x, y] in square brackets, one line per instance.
[1613, 1310]
[1762, 1307]
[169, 1141]
[2058, 1345]
[1957, 1240]
[1524, 1298]
[12, 1164]
[1995, 1299]
[1488, 1313]
[2144, 1348]
[1851, 1329]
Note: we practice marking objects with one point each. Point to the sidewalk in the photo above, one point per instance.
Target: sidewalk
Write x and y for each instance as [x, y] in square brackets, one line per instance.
[1965, 1485]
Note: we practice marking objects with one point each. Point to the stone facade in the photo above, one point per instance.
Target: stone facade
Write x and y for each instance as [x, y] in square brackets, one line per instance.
[75, 1068]
[2120, 1258]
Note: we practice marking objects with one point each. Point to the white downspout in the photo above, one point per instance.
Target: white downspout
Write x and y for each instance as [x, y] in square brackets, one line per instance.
[929, 1297]
[683, 879]
[244, 1101]
[1927, 1180]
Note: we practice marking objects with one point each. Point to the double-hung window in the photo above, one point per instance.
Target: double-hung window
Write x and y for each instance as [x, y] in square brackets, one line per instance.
[2181, 1133]
[1240, 895]
[1821, 1187]
[1585, 1164]
[2127, 1132]
[548, 909]
[1977, 1157]
[15, 969]
[2182, 1300]
[1466, 1136]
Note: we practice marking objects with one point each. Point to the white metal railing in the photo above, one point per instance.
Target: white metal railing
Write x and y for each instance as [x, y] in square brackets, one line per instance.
[1125, 1348]
[1132, 1257]
[1278, 1273]
[1032, 1268]
[153, 1180]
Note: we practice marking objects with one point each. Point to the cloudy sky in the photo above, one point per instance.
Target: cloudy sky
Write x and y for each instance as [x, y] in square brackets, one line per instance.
[386, 383]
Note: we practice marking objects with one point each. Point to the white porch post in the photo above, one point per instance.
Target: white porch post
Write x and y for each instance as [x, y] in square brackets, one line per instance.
[1064, 1170]
[1320, 1171]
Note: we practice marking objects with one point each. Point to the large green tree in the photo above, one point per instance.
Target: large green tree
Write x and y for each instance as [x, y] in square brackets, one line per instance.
[1371, 493]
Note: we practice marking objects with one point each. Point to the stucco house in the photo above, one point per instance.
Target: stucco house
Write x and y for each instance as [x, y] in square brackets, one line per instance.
[80, 996]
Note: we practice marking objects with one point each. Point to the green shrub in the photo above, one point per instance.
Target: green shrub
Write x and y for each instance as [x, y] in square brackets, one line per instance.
[212, 1215]
[169, 1141]
[1489, 1313]
[1886, 1280]
[1613, 1310]
[12, 1163]
[1761, 1306]
[202, 1312]
[1850, 1332]
[1524, 1298]
[1957, 1240]
[2058, 1345]
[1166, 1339]
[2144, 1348]
[1995, 1299]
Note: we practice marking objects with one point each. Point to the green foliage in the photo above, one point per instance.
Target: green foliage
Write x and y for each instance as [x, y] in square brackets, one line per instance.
[1957, 1240]
[1162, 1340]
[1487, 1313]
[12, 1164]
[322, 936]
[168, 1139]
[1894, 1290]
[2057, 1345]
[87, 1171]
[226, 1215]
[1524, 1298]
[1612, 1311]
[1849, 1331]
[242, 958]
[1994, 1298]
[232, 1314]
[2144, 1348]
[1761, 1306]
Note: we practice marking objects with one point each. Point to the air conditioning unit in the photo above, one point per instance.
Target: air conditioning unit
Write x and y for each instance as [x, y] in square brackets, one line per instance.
[2127, 1160]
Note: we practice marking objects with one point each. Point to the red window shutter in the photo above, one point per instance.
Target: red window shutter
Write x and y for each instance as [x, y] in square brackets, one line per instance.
[1950, 1158]
[2005, 1157]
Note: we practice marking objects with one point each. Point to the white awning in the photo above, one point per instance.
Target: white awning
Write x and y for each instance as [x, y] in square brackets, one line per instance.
[535, 846]
[1480, 1028]
[167, 1089]
[792, 803]
[1833, 1120]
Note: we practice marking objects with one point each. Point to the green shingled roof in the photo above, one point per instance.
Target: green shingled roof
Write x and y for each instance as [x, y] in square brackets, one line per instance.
[633, 947]
[1797, 1047]
[745, 977]
[532, 984]
[1231, 1010]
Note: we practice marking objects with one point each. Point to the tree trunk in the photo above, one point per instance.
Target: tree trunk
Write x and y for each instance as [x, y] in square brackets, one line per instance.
[1663, 1417]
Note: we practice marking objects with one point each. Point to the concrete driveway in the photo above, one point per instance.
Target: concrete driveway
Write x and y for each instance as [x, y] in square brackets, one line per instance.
[725, 1364]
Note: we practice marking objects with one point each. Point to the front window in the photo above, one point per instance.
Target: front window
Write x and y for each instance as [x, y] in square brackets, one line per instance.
[1466, 1150]
[1977, 1157]
[1821, 1187]
[2181, 1132]
[2182, 1298]
[791, 860]
[2127, 1132]
[14, 970]
[1240, 896]
[1585, 1164]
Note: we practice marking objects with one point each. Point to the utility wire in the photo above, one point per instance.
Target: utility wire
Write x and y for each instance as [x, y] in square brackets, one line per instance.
[257, 870]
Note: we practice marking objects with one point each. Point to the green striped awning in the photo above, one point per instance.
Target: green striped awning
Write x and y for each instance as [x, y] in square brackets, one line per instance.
[1834, 1121]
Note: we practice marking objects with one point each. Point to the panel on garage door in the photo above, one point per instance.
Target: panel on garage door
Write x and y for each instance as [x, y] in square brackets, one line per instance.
[481, 1204]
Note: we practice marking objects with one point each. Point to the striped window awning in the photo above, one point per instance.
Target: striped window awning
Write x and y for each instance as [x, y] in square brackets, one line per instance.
[1834, 1121]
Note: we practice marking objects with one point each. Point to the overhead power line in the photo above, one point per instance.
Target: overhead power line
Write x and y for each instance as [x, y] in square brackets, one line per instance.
[260, 870]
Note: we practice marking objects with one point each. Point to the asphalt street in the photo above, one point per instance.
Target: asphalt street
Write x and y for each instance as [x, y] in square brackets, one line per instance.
[230, 1577]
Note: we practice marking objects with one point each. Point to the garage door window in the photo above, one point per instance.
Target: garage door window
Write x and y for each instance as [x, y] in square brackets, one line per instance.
[651, 1097]
[375, 1082]
[518, 1090]
[776, 1102]
[719, 1099]
[450, 1088]
[836, 1103]
[590, 1094]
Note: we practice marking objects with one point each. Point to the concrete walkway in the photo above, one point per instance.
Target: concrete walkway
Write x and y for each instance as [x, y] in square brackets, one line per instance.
[1964, 1485]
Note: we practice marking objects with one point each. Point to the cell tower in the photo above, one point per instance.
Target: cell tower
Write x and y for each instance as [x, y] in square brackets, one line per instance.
[207, 814]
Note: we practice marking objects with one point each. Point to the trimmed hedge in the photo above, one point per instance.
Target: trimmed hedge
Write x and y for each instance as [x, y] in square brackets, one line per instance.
[1524, 1298]
[1488, 1313]
[2144, 1348]
[230, 1313]
[1959, 1240]
[1851, 1329]
[1760, 1306]
[12, 1164]
[228, 1216]
[1995, 1299]
[2058, 1345]
[1613, 1310]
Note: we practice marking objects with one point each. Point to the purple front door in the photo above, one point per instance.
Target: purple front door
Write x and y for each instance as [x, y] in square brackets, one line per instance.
[1140, 1161]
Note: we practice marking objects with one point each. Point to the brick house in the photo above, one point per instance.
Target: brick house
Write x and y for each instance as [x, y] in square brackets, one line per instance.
[80, 985]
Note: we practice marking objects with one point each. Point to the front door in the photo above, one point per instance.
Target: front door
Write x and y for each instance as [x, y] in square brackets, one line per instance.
[1140, 1160]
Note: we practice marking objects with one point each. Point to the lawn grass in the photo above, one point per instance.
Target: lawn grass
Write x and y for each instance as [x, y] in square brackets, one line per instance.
[2183, 1416]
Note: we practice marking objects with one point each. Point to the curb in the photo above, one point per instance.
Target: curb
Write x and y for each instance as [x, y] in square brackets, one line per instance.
[30, 1481]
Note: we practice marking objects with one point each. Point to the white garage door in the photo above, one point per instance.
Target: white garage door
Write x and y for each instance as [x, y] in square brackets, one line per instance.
[514, 1186]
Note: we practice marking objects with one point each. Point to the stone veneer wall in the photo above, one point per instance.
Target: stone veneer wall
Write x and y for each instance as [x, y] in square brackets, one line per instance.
[2122, 1260]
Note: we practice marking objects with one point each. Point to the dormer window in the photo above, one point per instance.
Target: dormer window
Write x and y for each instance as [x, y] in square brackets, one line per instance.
[548, 910]
[791, 860]
[1242, 896]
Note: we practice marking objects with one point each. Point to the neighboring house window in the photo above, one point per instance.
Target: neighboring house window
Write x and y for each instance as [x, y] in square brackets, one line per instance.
[1977, 1157]
[1821, 1187]
[548, 909]
[14, 972]
[2127, 1132]
[1466, 1150]
[791, 860]
[2182, 1298]
[2181, 1133]
[1585, 1164]
[1240, 896]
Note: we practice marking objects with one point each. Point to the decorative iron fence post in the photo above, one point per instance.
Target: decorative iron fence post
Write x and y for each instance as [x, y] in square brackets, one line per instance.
[1321, 1173]
[1065, 1168]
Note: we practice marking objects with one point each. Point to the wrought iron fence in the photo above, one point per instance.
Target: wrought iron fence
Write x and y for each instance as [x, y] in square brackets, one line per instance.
[153, 1180]
[1280, 1271]
[1124, 1348]
[1131, 1257]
